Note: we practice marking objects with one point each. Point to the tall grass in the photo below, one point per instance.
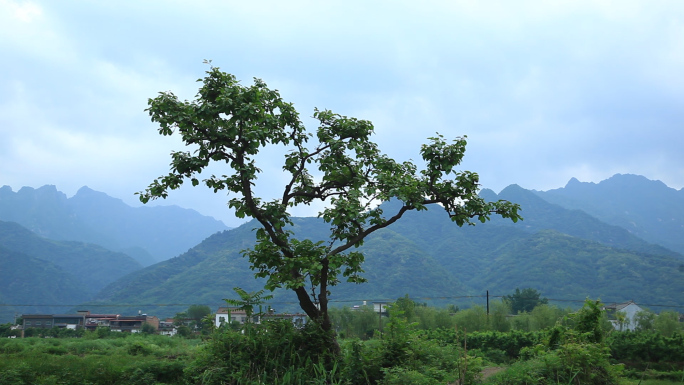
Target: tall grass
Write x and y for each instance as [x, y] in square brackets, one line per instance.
[133, 360]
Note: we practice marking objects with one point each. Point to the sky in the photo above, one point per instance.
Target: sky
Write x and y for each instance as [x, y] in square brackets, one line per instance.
[544, 90]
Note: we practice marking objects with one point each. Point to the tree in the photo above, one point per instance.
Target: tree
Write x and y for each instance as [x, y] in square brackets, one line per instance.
[667, 323]
[148, 328]
[406, 305]
[247, 301]
[196, 313]
[525, 300]
[498, 319]
[644, 320]
[339, 166]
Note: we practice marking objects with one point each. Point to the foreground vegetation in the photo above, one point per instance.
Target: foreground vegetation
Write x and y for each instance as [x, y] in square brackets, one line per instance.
[413, 348]
[116, 358]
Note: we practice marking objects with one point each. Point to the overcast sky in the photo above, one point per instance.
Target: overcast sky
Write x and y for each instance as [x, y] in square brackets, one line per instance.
[544, 90]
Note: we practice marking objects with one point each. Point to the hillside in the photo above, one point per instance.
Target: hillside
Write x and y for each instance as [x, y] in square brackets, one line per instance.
[540, 215]
[566, 253]
[94, 265]
[565, 267]
[425, 255]
[25, 280]
[208, 273]
[148, 234]
[646, 208]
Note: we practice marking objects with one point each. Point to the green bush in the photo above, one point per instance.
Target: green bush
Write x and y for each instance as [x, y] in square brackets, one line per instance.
[402, 376]
[647, 349]
[267, 353]
[570, 355]
[138, 348]
[11, 346]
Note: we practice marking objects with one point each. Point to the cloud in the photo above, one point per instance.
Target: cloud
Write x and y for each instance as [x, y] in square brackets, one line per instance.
[545, 91]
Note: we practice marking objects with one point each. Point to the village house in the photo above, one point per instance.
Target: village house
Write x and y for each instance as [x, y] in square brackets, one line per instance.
[226, 315]
[623, 315]
[167, 328]
[93, 321]
[298, 319]
[85, 320]
[132, 324]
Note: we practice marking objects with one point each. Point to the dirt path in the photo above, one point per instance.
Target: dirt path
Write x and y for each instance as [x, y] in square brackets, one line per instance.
[488, 372]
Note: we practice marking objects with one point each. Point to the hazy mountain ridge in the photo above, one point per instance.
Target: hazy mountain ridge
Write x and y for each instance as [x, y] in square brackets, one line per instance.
[148, 234]
[540, 214]
[646, 208]
[567, 254]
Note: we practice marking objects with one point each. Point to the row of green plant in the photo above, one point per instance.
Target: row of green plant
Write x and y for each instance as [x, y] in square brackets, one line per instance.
[364, 321]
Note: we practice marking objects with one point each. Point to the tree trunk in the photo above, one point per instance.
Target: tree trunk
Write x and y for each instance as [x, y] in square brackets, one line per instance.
[322, 319]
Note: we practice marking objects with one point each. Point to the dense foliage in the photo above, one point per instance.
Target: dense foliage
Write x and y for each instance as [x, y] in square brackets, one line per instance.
[524, 300]
[410, 349]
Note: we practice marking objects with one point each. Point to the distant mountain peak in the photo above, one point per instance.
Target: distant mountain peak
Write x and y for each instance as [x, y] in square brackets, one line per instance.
[488, 195]
[647, 208]
[633, 180]
[511, 188]
[46, 191]
[573, 182]
[86, 193]
[86, 190]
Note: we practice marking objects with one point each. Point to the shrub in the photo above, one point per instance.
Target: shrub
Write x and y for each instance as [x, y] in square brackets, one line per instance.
[265, 354]
[571, 355]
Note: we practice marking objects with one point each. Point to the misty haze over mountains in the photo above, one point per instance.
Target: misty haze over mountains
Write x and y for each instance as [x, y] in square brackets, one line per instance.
[619, 239]
[149, 234]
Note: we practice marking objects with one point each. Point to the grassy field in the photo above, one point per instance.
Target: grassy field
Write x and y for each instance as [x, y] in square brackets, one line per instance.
[134, 359]
[285, 356]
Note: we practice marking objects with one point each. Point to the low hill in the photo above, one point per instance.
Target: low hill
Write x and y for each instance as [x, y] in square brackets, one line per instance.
[25, 280]
[94, 265]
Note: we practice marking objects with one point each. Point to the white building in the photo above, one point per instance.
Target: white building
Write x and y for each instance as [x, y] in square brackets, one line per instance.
[628, 309]
[226, 315]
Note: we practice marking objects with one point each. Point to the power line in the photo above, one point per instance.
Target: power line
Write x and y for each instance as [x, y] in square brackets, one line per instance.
[330, 301]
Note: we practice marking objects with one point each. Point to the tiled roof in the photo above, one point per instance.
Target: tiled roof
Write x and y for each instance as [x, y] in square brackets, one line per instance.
[619, 306]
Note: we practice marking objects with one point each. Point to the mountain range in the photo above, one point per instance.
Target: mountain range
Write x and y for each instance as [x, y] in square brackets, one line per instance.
[646, 208]
[567, 254]
[149, 234]
[565, 247]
